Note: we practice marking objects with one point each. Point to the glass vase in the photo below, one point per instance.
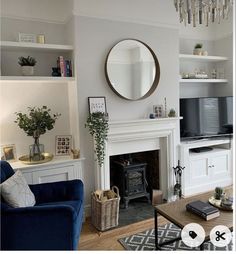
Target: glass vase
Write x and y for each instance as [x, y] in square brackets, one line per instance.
[36, 151]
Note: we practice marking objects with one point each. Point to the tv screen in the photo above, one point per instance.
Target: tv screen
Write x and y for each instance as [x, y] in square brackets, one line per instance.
[206, 117]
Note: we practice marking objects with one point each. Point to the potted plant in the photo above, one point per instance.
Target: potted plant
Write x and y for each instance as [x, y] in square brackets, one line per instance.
[36, 123]
[219, 193]
[197, 49]
[97, 124]
[27, 65]
[172, 113]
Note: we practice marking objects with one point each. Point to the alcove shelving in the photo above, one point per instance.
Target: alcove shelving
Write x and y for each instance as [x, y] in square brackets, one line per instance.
[188, 61]
[45, 54]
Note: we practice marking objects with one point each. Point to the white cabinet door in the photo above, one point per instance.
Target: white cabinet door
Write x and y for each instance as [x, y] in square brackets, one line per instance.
[220, 165]
[199, 171]
[57, 174]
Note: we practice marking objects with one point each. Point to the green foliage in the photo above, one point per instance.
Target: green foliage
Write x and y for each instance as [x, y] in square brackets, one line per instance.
[37, 121]
[97, 124]
[26, 61]
[218, 192]
[172, 113]
[198, 46]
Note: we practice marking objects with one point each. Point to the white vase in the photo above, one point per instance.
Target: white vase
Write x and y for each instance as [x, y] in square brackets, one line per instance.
[27, 70]
[197, 51]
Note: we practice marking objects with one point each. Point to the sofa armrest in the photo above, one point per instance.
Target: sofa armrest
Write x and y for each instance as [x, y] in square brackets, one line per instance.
[54, 225]
[58, 191]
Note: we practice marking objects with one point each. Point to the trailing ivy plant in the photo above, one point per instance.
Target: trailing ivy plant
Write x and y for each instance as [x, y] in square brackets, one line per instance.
[97, 124]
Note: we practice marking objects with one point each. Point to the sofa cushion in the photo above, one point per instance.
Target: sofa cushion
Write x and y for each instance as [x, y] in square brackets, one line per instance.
[16, 191]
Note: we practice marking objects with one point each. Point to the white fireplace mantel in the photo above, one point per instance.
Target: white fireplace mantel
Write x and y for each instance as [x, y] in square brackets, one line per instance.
[139, 136]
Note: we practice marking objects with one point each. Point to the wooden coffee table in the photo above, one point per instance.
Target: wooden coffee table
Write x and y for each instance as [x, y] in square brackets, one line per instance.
[176, 213]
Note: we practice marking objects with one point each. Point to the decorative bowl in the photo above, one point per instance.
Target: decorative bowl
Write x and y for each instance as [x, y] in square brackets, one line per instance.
[26, 160]
[217, 203]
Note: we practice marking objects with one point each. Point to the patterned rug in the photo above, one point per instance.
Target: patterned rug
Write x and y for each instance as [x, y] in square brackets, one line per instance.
[146, 240]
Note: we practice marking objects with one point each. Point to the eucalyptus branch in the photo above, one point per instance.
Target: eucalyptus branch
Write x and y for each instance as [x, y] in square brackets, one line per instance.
[37, 121]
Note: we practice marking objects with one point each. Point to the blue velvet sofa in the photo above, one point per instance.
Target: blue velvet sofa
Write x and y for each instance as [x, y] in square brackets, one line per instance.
[54, 223]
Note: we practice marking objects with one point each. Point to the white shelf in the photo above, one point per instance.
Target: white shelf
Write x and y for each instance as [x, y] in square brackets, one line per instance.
[207, 153]
[202, 58]
[205, 142]
[20, 79]
[203, 81]
[35, 46]
[56, 160]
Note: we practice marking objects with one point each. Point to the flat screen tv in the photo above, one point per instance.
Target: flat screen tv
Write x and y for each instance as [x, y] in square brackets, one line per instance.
[206, 117]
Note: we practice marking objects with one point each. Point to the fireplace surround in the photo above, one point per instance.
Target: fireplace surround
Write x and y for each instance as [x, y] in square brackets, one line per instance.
[143, 135]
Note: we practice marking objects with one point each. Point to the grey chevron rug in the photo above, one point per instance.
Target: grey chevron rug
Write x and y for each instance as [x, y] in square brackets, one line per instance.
[146, 240]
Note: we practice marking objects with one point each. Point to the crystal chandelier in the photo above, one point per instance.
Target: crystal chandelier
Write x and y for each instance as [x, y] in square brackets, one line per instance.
[202, 11]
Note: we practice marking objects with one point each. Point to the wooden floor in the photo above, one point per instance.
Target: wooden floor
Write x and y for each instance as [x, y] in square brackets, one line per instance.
[91, 239]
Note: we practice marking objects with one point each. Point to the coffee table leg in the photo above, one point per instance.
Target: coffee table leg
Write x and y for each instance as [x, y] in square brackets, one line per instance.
[156, 229]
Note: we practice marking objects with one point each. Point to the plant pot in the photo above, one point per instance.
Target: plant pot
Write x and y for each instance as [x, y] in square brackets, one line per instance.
[27, 70]
[197, 51]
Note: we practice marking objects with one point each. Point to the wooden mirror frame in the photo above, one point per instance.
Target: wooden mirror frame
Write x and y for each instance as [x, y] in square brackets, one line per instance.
[155, 81]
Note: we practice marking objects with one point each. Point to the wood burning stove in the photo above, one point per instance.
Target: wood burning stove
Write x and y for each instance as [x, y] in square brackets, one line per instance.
[131, 180]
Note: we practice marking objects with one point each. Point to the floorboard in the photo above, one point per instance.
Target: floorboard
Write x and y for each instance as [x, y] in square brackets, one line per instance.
[91, 239]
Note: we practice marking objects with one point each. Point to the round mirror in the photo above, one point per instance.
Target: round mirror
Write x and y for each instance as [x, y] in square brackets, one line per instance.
[132, 69]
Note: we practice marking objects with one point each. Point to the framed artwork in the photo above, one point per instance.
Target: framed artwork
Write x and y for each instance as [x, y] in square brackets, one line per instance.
[8, 152]
[97, 104]
[63, 144]
[158, 110]
[23, 37]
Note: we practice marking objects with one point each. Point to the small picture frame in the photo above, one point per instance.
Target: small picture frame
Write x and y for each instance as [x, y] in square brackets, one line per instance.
[23, 37]
[97, 104]
[8, 152]
[158, 110]
[63, 145]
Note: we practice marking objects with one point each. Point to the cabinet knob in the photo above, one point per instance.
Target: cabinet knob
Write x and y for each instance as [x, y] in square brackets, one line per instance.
[210, 166]
[213, 166]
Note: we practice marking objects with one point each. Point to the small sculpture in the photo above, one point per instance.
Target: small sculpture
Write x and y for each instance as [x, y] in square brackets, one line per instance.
[75, 154]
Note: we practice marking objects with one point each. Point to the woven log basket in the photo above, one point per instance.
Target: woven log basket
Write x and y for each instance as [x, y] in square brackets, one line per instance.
[105, 208]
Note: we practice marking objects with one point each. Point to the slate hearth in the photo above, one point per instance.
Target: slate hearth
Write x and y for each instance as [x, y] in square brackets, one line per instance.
[138, 210]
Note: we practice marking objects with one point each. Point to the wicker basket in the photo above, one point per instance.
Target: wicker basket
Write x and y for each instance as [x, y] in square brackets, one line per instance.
[105, 213]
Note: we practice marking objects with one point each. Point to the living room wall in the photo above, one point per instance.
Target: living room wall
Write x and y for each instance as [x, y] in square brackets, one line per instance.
[94, 38]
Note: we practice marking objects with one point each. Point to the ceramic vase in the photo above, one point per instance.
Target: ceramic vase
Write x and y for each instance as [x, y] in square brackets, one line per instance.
[27, 70]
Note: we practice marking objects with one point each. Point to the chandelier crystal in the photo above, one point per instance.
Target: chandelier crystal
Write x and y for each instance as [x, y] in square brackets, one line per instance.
[202, 11]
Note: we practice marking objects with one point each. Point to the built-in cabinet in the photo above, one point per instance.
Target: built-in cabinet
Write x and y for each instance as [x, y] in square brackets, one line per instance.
[60, 94]
[59, 169]
[208, 169]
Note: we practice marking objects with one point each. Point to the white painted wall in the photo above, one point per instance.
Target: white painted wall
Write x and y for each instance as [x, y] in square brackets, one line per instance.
[95, 37]
[155, 12]
[56, 11]
[225, 47]
[11, 27]
[15, 97]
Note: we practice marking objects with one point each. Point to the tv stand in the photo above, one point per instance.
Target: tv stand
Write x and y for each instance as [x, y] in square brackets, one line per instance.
[206, 170]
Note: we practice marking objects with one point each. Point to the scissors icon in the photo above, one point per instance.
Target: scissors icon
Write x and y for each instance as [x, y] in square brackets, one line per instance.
[219, 236]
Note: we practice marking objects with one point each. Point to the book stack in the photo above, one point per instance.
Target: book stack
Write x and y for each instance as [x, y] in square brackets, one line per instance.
[64, 66]
[205, 210]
